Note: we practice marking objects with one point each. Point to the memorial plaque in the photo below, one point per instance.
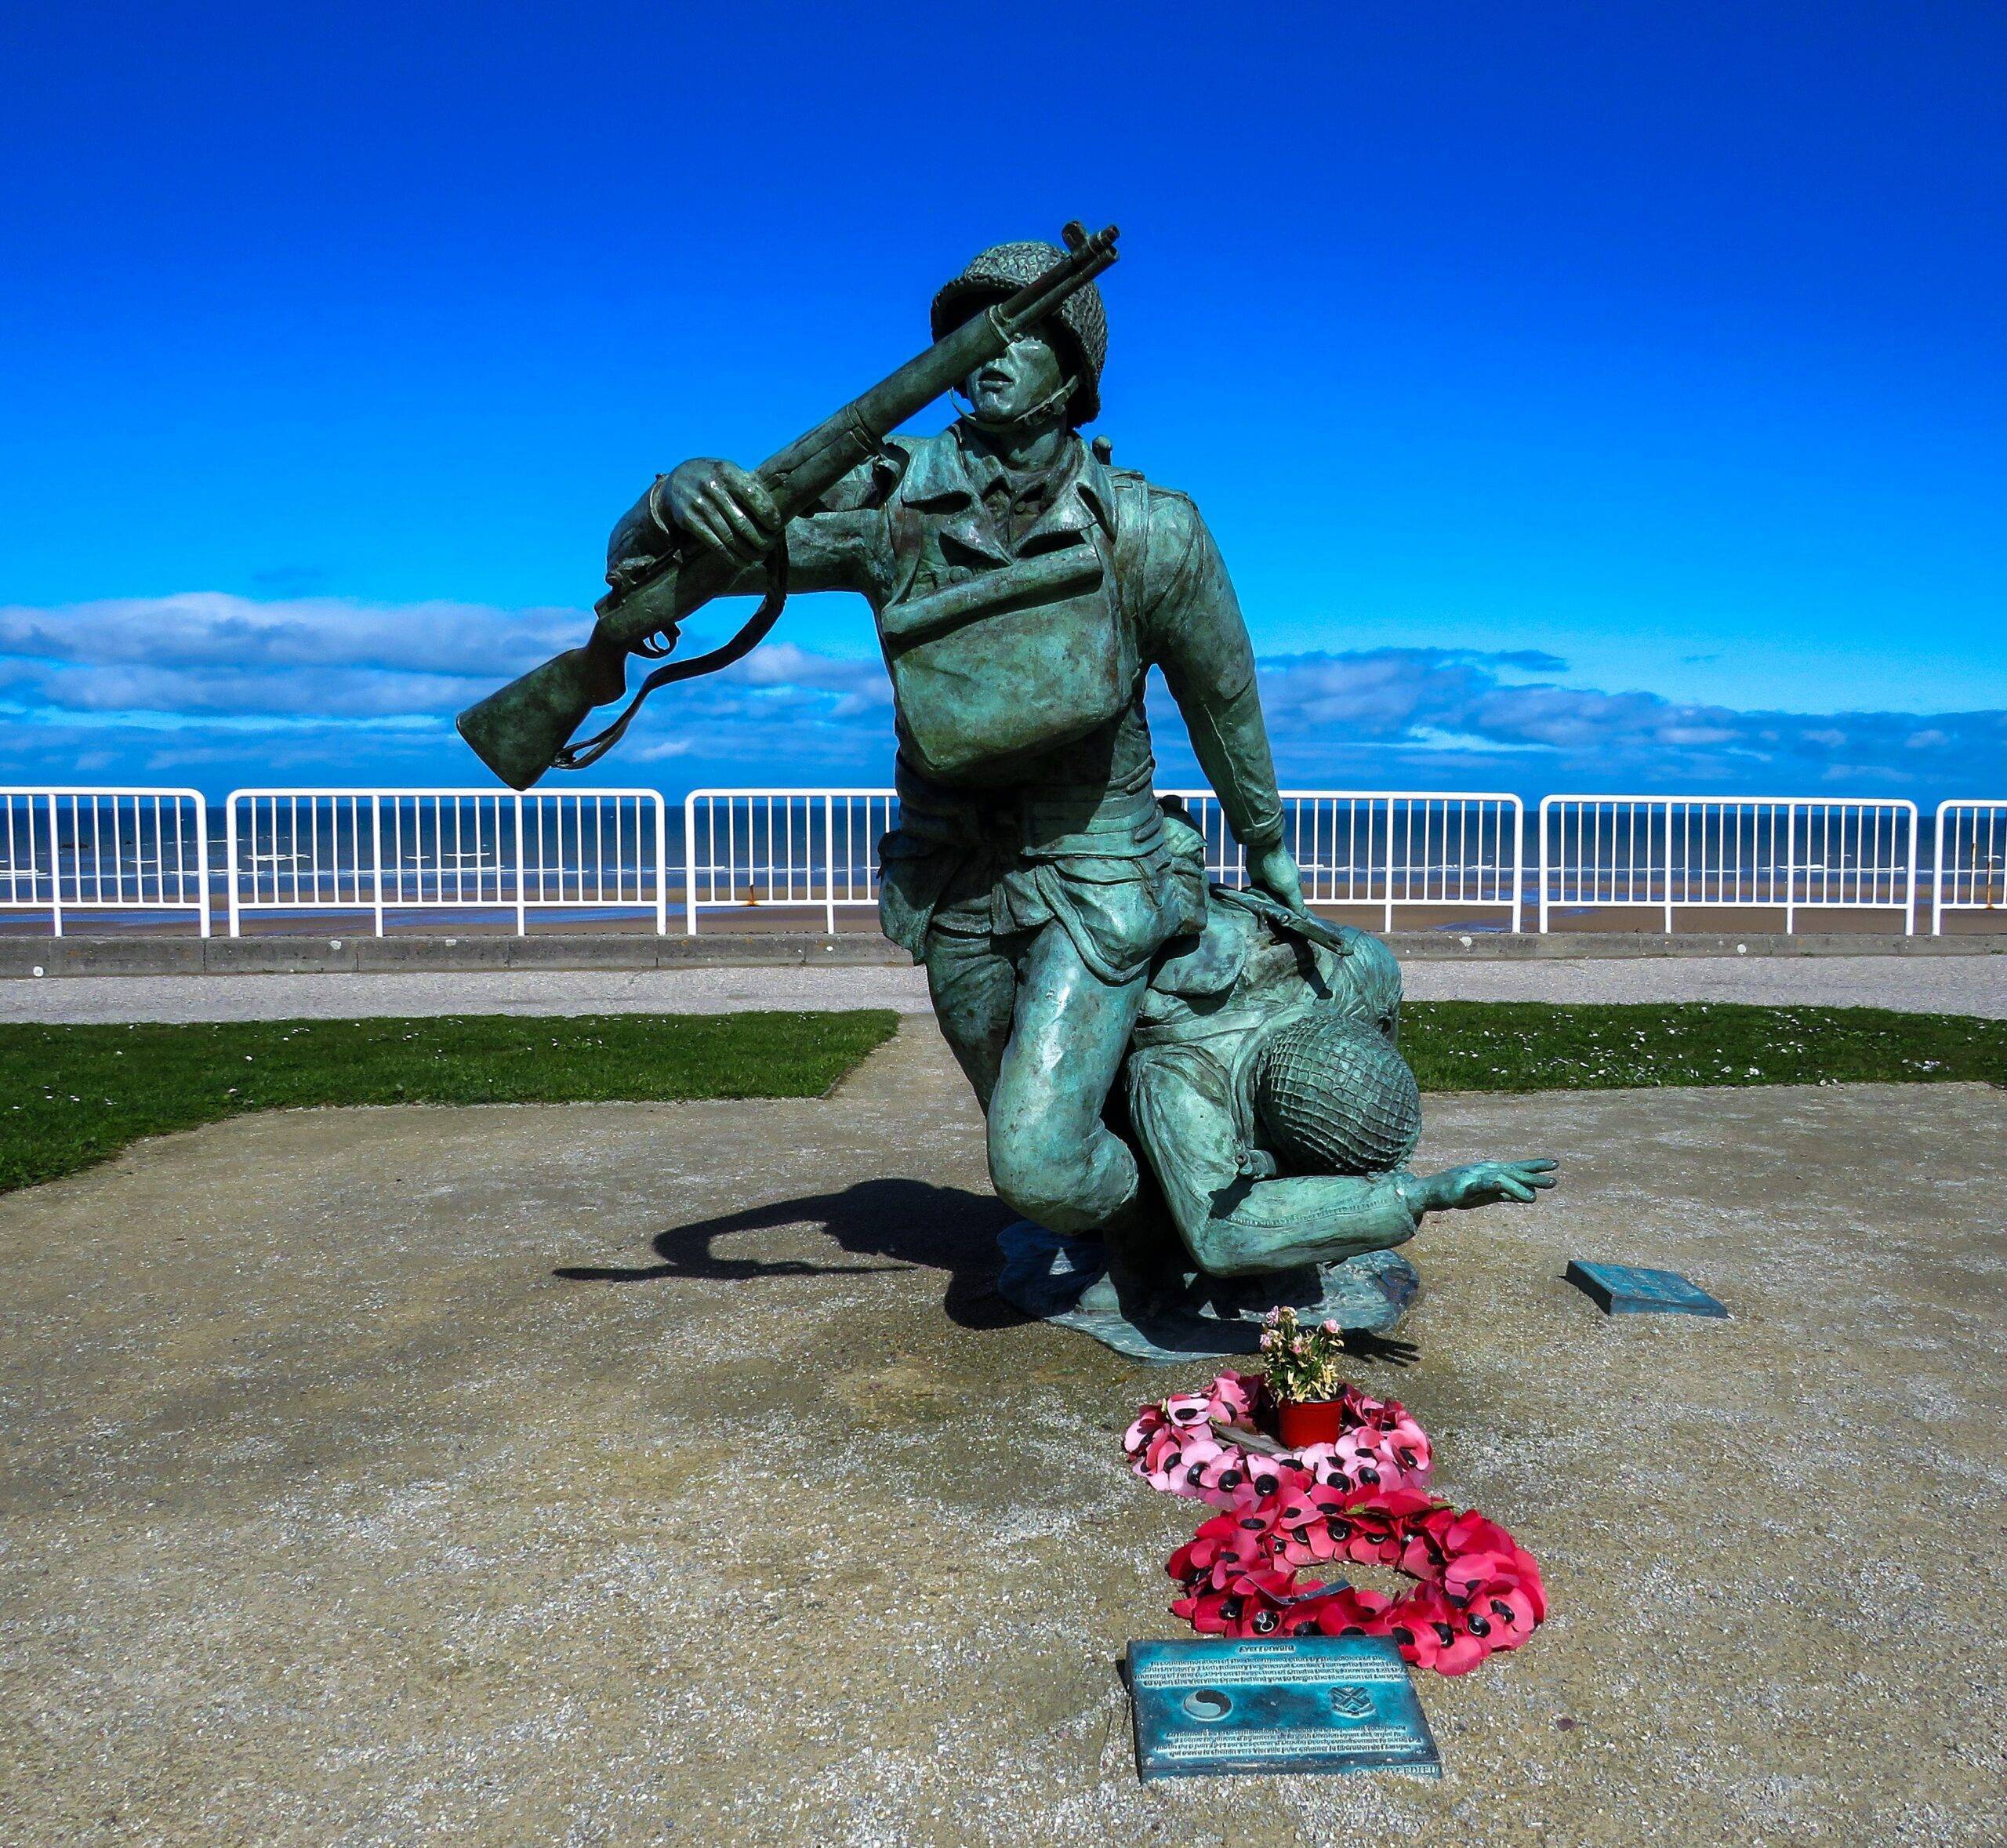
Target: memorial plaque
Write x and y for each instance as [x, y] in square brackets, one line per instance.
[1297, 1704]
[1628, 1289]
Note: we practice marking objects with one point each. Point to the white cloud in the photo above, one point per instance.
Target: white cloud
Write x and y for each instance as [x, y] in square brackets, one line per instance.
[208, 628]
[1331, 709]
[210, 687]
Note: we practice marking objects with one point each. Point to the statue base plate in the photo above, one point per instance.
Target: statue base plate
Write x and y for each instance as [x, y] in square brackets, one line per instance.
[1045, 1276]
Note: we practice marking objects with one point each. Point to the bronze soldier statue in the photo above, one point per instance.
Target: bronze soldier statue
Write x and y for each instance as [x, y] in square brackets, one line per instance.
[1266, 1091]
[1023, 589]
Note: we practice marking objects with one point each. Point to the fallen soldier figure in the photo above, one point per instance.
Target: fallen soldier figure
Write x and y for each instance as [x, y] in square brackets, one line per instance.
[1267, 1097]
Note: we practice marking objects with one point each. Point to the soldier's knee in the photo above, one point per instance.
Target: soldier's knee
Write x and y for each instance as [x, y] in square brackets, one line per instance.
[1066, 1186]
[1031, 1176]
[1036, 1174]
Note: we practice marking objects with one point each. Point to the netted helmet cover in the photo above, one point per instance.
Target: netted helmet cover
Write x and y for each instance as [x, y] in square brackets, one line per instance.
[1332, 1097]
[1081, 328]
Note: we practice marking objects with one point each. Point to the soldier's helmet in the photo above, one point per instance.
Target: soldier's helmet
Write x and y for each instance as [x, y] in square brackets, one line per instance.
[1332, 1097]
[1081, 329]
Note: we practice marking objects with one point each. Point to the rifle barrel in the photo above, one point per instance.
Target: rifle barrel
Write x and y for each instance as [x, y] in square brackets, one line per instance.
[800, 475]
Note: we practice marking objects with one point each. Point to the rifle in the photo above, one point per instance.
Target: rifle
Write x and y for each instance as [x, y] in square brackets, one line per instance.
[524, 730]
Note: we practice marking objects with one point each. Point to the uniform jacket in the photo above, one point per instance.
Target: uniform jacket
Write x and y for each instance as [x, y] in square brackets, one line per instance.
[1020, 617]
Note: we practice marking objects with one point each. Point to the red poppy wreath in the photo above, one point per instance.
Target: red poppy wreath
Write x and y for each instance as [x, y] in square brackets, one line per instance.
[1361, 1499]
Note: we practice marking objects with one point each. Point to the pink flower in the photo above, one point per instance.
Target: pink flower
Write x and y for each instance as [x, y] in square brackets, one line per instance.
[1502, 1613]
[1223, 1549]
[1468, 1575]
[1159, 1459]
[1193, 1454]
[1225, 1476]
[1306, 1519]
[1456, 1650]
[1251, 1606]
[1149, 1421]
[1163, 1466]
[1354, 1451]
[1189, 1410]
[1361, 1498]
[1233, 1396]
[1276, 1476]
[1416, 1623]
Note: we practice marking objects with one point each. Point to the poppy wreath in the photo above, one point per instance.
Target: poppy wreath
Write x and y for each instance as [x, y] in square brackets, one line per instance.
[1185, 1445]
[1478, 1590]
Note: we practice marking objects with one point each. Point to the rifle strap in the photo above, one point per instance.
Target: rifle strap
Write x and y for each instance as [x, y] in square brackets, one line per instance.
[577, 756]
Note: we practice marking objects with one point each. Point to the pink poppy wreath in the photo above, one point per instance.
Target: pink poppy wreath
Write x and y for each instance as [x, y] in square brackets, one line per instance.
[1478, 1591]
[1188, 1445]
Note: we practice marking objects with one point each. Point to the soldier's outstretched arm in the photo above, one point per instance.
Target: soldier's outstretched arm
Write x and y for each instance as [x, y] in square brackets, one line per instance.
[1291, 1219]
[1485, 1183]
[1196, 633]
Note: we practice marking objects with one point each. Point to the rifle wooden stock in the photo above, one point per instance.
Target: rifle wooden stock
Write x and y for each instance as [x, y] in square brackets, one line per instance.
[518, 731]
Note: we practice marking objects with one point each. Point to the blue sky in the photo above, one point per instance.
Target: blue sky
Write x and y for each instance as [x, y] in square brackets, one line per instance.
[1584, 396]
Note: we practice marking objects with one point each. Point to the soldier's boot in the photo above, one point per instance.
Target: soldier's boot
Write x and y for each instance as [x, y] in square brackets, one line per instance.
[1148, 1273]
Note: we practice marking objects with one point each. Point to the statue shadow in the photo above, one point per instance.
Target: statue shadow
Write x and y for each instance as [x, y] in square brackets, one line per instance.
[918, 1224]
[1389, 1350]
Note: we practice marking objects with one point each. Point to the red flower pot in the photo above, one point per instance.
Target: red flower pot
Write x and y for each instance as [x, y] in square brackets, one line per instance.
[1313, 1421]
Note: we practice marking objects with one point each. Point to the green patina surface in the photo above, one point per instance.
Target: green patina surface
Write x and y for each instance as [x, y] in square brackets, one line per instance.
[1022, 591]
[1118, 1021]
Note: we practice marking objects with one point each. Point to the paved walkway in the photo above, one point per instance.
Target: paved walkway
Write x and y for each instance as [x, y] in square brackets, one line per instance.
[1946, 984]
[631, 1474]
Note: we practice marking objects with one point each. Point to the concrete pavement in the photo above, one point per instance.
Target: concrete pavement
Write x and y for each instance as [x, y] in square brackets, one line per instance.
[1975, 985]
[629, 1474]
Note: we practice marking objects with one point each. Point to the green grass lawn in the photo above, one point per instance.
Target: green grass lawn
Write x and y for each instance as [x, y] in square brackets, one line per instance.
[72, 1095]
[1537, 1046]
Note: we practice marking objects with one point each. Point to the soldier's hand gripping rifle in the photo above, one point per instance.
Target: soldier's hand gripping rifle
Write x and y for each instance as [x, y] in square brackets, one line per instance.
[525, 729]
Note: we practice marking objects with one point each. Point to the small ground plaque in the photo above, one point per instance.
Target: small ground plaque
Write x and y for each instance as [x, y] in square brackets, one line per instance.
[1297, 1704]
[1628, 1290]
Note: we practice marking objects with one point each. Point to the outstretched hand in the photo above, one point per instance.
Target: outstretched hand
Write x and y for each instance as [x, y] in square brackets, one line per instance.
[723, 505]
[1484, 1183]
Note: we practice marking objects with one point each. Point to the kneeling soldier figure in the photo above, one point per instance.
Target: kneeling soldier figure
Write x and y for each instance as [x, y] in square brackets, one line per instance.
[1023, 590]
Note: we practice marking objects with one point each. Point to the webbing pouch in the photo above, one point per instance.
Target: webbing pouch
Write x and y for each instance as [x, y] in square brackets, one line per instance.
[1008, 663]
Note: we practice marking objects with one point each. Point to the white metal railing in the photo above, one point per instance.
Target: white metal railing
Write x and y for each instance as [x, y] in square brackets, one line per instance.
[71, 849]
[1968, 863]
[1667, 853]
[458, 849]
[1450, 850]
[818, 848]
